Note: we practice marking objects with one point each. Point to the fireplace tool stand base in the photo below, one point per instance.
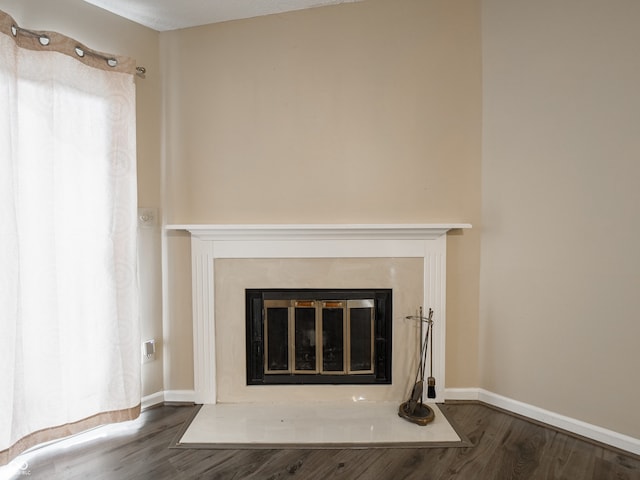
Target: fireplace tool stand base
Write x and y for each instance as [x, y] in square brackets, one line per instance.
[422, 414]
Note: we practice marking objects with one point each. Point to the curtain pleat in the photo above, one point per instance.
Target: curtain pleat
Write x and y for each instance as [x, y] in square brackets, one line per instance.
[69, 341]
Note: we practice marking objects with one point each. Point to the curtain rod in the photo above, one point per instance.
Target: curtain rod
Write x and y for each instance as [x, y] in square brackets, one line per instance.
[80, 51]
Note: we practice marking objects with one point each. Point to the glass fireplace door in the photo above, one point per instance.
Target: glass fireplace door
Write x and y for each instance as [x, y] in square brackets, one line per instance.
[318, 336]
[304, 351]
[360, 319]
[334, 333]
[327, 337]
[276, 331]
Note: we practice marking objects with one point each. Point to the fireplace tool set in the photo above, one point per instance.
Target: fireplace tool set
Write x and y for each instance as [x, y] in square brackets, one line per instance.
[414, 410]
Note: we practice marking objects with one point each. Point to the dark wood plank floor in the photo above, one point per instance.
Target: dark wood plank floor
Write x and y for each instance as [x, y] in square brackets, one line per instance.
[503, 447]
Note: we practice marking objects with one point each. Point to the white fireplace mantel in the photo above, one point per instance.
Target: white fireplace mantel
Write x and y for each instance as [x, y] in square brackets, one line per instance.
[320, 231]
[209, 242]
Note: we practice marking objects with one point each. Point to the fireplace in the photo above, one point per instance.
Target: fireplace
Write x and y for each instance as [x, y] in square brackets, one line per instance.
[318, 336]
[228, 259]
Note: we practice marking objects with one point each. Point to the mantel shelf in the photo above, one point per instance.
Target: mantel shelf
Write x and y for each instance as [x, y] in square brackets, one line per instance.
[319, 231]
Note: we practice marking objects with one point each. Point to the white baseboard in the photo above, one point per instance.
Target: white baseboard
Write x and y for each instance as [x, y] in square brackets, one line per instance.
[594, 432]
[181, 396]
[461, 394]
[152, 400]
[186, 396]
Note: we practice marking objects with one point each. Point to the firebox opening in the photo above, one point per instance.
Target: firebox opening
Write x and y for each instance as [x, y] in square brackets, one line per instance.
[318, 336]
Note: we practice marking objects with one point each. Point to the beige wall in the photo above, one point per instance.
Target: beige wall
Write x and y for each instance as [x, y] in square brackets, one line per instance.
[376, 109]
[105, 32]
[359, 113]
[560, 264]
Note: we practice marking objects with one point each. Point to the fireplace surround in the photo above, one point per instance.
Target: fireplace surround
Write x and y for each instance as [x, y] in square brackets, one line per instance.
[339, 244]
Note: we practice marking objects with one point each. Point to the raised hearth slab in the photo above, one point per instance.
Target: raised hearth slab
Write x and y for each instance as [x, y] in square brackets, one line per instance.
[313, 425]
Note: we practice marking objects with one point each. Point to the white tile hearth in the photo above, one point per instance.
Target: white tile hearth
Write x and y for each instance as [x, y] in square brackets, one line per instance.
[312, 425]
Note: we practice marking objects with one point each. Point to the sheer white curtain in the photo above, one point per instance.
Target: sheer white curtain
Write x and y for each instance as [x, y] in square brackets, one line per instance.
[69, 339]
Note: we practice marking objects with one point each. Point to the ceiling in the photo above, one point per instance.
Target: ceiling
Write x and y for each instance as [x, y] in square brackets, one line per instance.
[165, 15]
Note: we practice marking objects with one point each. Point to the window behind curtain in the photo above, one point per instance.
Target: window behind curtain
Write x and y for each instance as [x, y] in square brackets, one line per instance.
[69, 340]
